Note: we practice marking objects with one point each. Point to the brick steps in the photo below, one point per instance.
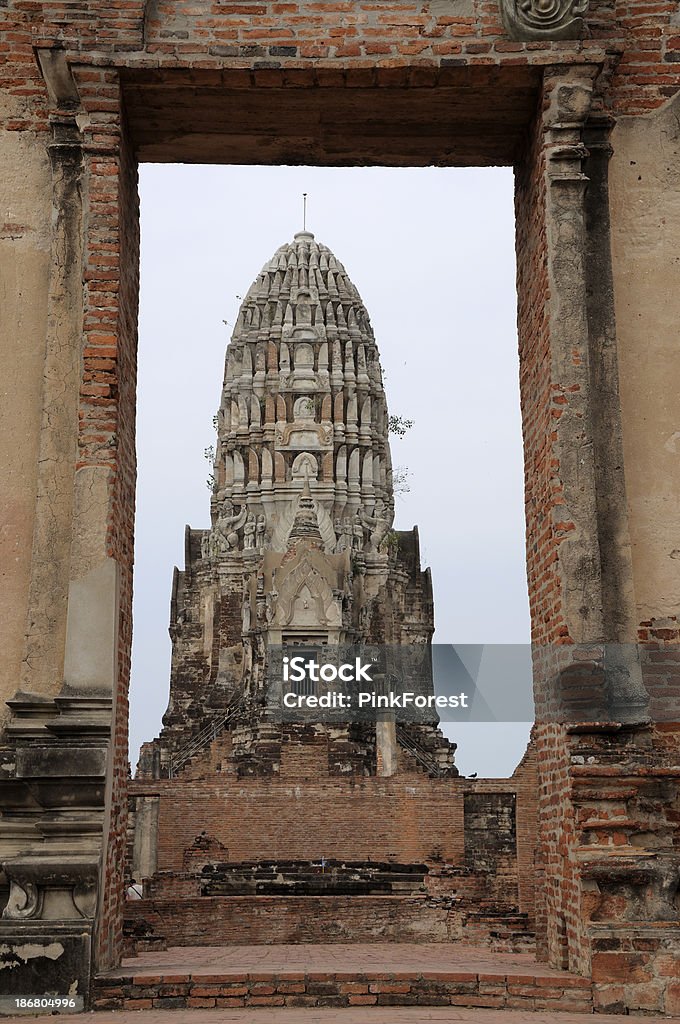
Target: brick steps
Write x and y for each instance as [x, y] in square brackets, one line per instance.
[533, 990]
[500, 931]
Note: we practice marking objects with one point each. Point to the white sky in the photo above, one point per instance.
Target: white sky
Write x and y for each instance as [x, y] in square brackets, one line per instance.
[432, 254]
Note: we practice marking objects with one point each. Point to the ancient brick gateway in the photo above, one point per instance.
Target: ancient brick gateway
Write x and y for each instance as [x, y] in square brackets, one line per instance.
[582, 100]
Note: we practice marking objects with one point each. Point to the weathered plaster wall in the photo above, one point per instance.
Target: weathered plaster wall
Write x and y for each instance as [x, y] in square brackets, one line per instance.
[645, 203]
[24, 278]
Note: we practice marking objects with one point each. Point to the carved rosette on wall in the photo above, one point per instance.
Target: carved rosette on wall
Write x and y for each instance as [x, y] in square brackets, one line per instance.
[526, 20]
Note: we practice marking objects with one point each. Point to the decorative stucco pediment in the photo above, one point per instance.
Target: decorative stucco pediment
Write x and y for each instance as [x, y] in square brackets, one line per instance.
[305, 596]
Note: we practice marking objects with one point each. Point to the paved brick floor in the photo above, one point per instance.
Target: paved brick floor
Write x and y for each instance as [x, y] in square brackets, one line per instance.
[354, 1015]
[333, 958]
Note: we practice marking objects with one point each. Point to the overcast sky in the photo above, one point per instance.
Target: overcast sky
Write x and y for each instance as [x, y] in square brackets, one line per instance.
[432, 254]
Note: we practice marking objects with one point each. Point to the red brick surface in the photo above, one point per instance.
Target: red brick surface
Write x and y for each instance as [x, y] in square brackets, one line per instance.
[394, 975]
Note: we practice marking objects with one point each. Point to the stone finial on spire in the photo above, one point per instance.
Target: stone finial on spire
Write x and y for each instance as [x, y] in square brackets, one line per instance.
[304, 235]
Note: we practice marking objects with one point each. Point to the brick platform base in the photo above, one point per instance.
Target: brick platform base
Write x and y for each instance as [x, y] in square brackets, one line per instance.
[266, 920]
[339, 976]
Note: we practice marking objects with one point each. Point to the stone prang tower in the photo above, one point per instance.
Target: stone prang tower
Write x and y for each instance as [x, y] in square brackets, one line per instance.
[301, 549]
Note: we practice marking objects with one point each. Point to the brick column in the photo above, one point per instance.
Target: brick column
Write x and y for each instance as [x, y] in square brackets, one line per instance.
[104, 505]
[604, 851]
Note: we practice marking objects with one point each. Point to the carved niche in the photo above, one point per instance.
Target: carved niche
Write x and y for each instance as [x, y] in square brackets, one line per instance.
[307, 599]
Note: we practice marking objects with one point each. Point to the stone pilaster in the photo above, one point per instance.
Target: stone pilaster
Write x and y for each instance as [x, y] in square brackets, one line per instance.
[607, 850]
[51, 553]
[589, 510]
[56, 748]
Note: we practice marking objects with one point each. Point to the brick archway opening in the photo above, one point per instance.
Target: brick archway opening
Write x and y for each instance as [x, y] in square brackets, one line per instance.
[395, 245]
[544, 116]
[461, 116]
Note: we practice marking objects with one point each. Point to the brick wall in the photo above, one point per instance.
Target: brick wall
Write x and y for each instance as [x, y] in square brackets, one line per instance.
[300, 818]
[262, 920]
[525, 778]
[407, 40]
[541, 472]
[647, 73]
[306, 813]
[478, 836]
[107, 416]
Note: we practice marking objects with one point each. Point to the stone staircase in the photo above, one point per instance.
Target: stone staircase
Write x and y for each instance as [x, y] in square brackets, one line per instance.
[434, 760]
[202, 739]
[499, 930]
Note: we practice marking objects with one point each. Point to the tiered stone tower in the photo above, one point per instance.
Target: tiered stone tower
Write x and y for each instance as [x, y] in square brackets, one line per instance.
[245, 828]
[301, 549]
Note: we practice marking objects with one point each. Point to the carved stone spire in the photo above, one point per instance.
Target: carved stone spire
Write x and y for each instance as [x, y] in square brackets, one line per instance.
[301, 548]
[298, 401]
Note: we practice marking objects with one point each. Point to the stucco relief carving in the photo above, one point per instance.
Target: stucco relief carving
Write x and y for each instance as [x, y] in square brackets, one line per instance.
[306, 598]
[376, 525]
[282, 522]
[85, 898]
[229, 523]
[304, 433]
[24, 900]
[305, 467]
[249, 531]
[343, 531]
[54, 887]
[544, 19]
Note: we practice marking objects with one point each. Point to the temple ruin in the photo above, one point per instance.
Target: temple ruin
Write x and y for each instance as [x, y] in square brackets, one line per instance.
[302, 555]
[301, 551]
[581, 99]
